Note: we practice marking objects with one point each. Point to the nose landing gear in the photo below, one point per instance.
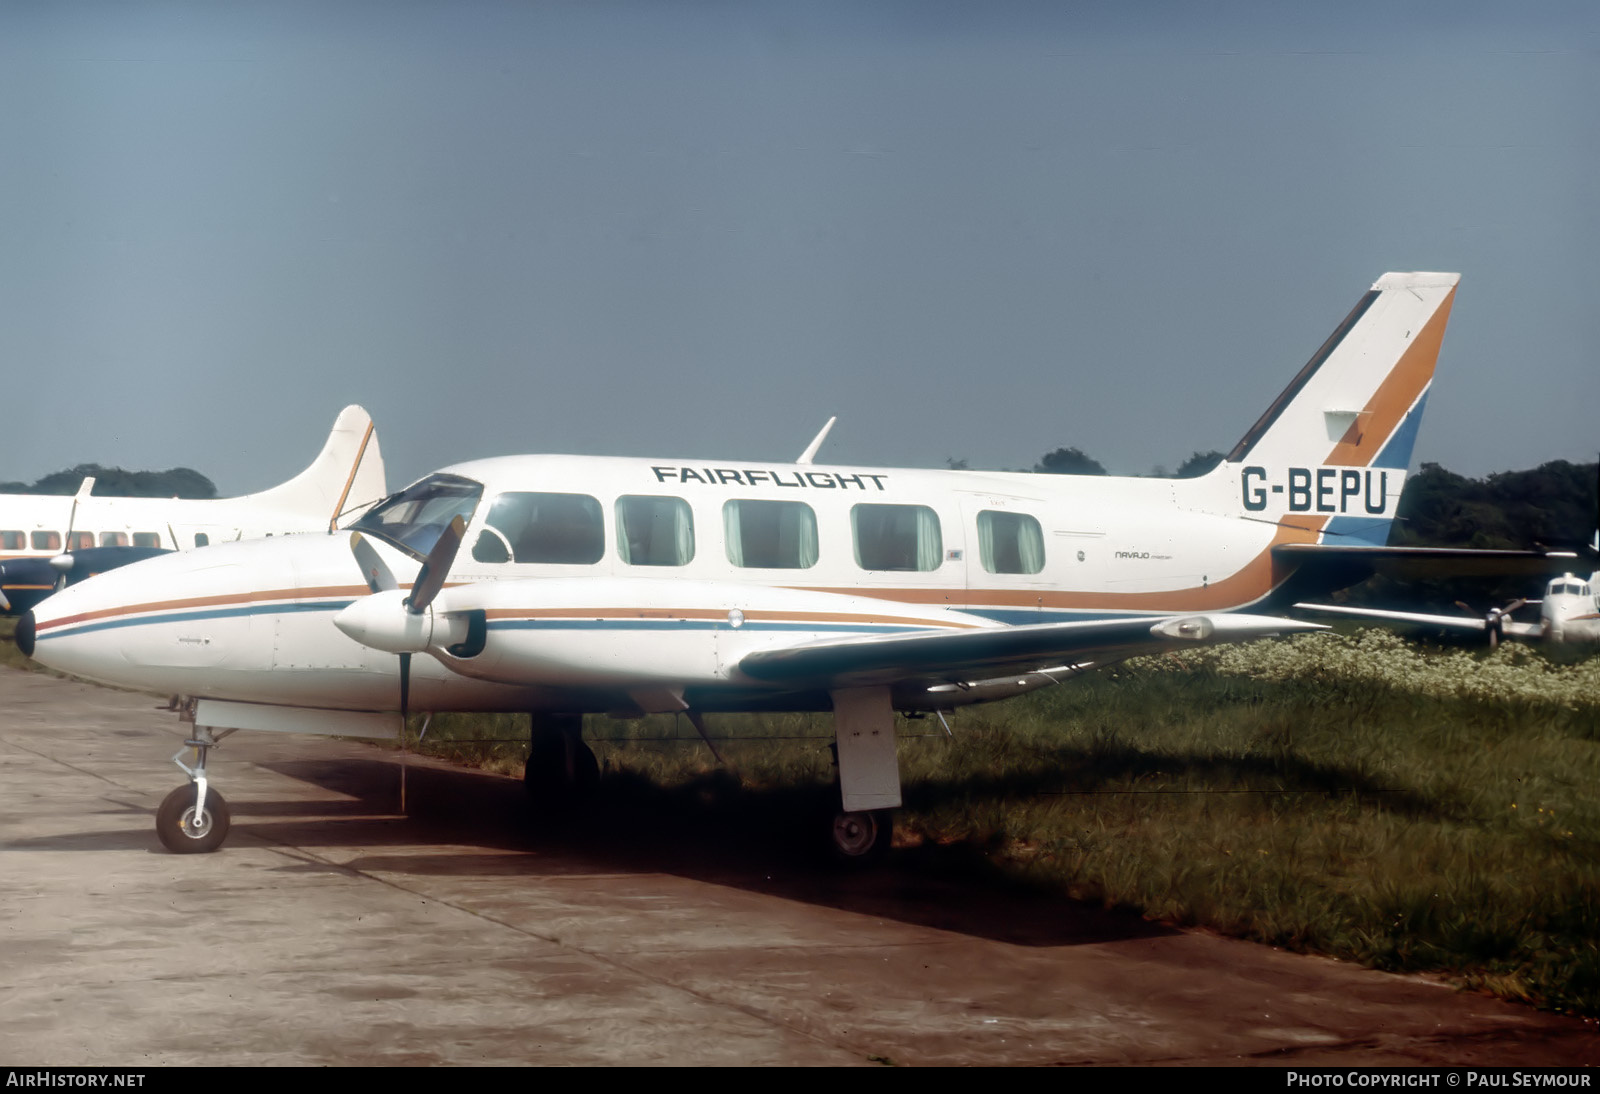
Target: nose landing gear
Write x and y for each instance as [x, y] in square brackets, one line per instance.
[194, 819]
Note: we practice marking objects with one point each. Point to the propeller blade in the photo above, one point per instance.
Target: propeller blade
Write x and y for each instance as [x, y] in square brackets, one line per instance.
[405, 685]
[430, 579]
[378, 576]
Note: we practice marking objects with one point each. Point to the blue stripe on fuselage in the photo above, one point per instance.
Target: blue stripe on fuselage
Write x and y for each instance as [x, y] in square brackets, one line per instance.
[188, 617]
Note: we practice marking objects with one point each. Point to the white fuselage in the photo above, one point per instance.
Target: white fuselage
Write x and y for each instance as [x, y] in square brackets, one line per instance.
[253, 621]
[38, 526]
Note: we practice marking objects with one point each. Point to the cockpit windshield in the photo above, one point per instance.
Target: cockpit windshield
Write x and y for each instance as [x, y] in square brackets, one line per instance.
[417, 516]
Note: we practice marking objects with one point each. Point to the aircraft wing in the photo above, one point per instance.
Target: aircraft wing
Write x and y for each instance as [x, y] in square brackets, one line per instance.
[1413, 563]
[954, 656]
[1423, 619]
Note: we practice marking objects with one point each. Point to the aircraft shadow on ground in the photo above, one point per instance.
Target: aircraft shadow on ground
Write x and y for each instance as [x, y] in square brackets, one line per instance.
[765, 842]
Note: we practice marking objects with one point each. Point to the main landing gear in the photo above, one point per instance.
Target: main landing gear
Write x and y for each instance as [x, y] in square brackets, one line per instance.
[561, 769]
[194, 818]
[862, 826]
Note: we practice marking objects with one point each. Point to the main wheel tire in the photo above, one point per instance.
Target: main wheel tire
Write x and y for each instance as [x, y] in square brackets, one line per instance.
[181, 833]
[858, 838]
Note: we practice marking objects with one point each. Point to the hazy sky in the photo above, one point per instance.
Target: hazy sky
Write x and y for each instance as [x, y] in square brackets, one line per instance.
[979, 230]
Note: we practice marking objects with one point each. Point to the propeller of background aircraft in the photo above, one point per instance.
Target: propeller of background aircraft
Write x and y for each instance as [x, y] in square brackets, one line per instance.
[62, 564]
[1494, 619]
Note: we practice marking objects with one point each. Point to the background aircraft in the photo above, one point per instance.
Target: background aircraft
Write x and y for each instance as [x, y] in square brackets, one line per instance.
[1568, 612]
[564, 585]
[50, 541]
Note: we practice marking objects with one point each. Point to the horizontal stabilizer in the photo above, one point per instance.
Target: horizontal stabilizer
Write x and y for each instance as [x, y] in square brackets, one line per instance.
[1416, 563]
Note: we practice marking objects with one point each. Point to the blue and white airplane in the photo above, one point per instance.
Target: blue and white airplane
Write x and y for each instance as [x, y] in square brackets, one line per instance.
[564, 585]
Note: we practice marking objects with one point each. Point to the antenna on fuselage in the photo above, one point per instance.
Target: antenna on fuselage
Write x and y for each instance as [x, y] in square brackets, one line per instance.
[816, 443]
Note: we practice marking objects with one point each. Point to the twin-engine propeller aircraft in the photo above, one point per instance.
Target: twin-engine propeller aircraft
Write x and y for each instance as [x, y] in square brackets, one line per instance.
[48, 542]
[561, 585]
[1569, 612]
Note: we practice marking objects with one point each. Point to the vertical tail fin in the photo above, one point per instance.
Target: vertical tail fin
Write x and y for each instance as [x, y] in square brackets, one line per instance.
[1330, 455]
[346, 476]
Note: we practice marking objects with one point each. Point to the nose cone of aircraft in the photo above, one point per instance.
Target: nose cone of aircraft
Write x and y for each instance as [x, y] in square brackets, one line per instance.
[174, 622]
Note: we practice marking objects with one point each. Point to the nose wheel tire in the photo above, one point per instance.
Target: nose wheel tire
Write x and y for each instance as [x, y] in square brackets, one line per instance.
[861, 837]
[182, 832]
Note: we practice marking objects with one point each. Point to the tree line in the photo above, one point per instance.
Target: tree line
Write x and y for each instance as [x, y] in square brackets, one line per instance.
[116, 482]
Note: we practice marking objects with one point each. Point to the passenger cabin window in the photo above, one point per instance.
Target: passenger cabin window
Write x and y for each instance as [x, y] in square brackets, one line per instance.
[147, 539]
[113, 539]
[1010, 543]
[47, 541]
[896, 537]
[567, 529]
[12, 541]
[202, 540]
[80, 541]
[654, 531]
[770, 535]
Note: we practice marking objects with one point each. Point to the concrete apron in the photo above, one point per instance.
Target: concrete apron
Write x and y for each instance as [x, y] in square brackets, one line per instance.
[331, 930]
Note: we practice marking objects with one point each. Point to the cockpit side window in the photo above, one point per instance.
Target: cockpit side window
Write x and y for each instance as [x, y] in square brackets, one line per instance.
[566, 529]
[417, 516]
[654, 531]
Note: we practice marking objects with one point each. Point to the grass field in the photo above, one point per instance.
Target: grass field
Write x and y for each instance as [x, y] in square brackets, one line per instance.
[1357, 796]
[1353, 796]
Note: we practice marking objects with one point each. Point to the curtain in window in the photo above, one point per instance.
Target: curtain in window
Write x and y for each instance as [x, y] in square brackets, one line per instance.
[732, 538]
[930, 547]
[682, 533]
[1030, 545]
[805, 536]
[986, 540]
